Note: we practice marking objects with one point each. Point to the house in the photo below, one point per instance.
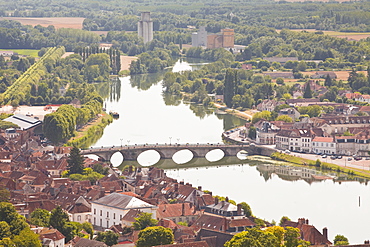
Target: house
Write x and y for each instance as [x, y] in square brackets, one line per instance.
[110, 209]
[80, 211]
[221, 223]
[247, 66]
[295, 140]
[324, 74]
[268, 105]
[265, 132]
[6, 53]
[309, 232]
[301, 102]
[51, 238]
[364, 98]
[325, 145]
[179, 212]
[291, 112]
[84, 242]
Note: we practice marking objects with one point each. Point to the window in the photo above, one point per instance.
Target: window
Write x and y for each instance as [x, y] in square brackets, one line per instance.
[79, 218]
[114, 216]
[94, 210]
[101, 213]
[107, 214]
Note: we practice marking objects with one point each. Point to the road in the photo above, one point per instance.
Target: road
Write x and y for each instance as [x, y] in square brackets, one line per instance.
[344, 162]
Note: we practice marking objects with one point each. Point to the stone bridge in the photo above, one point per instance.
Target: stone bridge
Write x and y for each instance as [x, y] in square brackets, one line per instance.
[132, 152]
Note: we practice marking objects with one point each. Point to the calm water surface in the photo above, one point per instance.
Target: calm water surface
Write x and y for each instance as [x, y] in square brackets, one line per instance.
[149, 116]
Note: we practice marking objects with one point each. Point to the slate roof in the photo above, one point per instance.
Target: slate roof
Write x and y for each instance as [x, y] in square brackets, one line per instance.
[121, 201]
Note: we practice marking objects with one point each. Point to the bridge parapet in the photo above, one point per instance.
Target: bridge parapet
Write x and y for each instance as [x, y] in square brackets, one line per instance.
[166, 151]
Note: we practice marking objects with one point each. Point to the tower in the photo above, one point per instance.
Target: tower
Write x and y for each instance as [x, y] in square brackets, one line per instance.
[145, 27]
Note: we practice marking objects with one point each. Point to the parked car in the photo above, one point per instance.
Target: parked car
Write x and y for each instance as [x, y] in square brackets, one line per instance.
[324, 156]
[333, 157]
[349, 158]
[339, 157]
[358, 158]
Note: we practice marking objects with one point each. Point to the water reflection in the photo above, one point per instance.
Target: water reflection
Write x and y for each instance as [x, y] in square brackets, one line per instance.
[145, 81]
[171, 99]
[201, 111]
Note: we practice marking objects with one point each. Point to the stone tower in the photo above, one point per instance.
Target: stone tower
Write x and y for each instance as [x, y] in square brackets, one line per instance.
[145, 27]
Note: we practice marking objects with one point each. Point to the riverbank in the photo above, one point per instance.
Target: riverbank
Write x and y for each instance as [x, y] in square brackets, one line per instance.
[243, 115]
[324, 166]
[91, 132]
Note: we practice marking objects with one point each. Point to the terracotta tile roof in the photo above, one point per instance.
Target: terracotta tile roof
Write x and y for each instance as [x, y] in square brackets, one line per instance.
[323, 139]
[129, 193]
[176, 210]
[167, 223]
[131, 215]
[245, 222]
[53, 234]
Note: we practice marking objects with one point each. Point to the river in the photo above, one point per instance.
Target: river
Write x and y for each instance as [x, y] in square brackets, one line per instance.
[149, 116]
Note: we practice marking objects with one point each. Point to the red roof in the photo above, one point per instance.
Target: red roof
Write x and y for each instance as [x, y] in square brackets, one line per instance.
[323, 139]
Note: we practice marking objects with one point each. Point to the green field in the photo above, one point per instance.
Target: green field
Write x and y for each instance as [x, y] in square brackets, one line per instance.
[27, 52]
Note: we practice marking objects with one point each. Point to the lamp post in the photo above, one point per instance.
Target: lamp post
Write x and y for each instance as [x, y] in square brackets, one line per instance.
[128, 142]
[170, 139]
[121, 141]
[178, 140]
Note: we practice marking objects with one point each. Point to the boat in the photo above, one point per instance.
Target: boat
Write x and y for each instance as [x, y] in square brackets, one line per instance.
[114, 114]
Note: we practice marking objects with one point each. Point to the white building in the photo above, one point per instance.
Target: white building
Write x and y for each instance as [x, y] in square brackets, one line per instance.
[145, 27]
[110, 209]
[199, 38]
[325, 145]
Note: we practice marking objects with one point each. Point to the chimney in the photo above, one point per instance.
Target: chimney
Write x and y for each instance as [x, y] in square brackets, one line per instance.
[225, 225]
[102, 192]
[210, 193]
[182, 182]
[176, 187]
[227, 199]
[183, 210]
[200, 188]
[366, 242]
[239, 212]
[216, 201]
[301, 221]
[306, 221]
[325, 232]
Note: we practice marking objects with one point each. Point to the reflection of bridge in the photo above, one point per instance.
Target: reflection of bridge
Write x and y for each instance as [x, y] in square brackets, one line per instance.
[132, 152]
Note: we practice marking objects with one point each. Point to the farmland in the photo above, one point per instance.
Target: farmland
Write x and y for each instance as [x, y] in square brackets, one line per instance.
[57, 22]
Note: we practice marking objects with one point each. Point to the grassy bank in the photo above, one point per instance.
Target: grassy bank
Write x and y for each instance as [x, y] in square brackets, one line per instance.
[324, 166]
[91, 133]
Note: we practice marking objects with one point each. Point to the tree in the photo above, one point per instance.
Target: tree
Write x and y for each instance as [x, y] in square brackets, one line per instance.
[27, 238]
[4, 230]
[283, 220]
[261, 115]
[40, 217]
[230, 85]
[253, 237]
[88, 228]
[252, 133]
[292, 238]
[307, 91]
[284, 118]
[9, 215]
[109, 238]
[4, 192]
[247, 209]
[75, 161]
[155, 235]
[340, 240]
[144, 220]
[328, 82]
[58, 218]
